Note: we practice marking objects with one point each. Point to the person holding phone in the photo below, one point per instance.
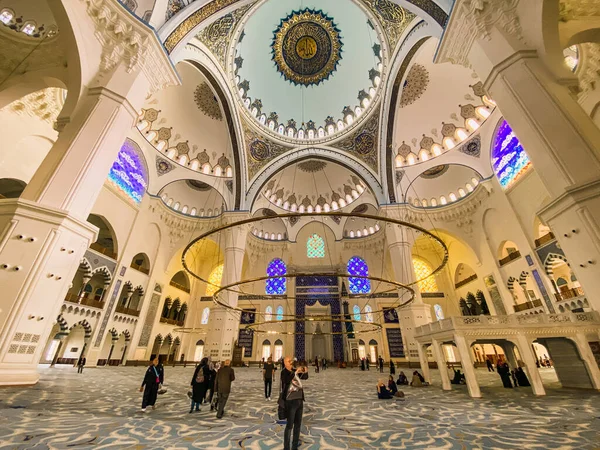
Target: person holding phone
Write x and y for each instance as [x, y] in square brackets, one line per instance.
[292, 396]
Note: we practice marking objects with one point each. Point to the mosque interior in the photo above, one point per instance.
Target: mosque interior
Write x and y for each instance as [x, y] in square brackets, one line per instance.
[413, 181]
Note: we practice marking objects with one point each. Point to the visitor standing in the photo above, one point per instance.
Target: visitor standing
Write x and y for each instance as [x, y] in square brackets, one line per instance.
[268, 370]
[81, 364]
[150, 385]
[367, 363]
[316, 364]
[362, 364]
[380, 364]
[392, 368]
[199, 384]
[489, 365]
[504, 372]
[212, 373]
[292, 394]
[225, 376]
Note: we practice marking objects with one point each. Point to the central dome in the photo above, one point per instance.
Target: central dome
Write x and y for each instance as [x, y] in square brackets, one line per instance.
[307, 47]
[288, 67]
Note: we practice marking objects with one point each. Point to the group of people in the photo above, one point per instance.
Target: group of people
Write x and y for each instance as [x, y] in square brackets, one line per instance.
[209, 379]
[390, 390]
[517, 376]
[320, 364]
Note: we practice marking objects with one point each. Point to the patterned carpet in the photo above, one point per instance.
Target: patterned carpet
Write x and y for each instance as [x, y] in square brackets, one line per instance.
[100, 409]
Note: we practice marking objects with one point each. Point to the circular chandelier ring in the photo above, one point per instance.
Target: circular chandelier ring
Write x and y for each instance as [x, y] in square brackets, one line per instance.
[256, 326]
[330, 214]
[396, 285]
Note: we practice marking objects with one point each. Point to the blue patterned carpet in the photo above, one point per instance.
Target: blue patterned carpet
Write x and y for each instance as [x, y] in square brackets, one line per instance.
[100, 409]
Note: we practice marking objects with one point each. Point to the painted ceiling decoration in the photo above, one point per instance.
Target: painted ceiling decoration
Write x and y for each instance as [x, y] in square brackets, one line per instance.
[207, 102]
[311, 166]
[259, 150]
[364, 143]
[217, 35]
[415, 85]
[392, 17]
[472, 147]
[435, 172]
[198, 185]
[307, 47]
[292, 80]
[163, 166]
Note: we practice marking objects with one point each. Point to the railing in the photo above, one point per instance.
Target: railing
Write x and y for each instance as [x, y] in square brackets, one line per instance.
[503, 322]
[171, 321]
[527, 305]
[180, 287]
[73, 298]
[128, 311]
[467, 280]
[139, 268]
[569, 294]
[97, 247]
[511, 257]
[549, 237]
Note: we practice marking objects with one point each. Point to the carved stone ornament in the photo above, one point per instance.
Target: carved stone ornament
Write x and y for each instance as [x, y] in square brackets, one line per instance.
[473, 19]
[126, 40]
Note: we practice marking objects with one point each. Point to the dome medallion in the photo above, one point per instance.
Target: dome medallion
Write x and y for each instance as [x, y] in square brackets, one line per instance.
[306, 47]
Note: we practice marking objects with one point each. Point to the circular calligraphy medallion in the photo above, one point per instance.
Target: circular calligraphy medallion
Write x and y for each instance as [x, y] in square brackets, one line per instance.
[364, 143]
[259, 150]
[306, 47]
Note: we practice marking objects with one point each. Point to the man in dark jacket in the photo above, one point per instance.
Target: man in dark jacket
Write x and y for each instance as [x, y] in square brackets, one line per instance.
[225, 376]
[294, 401]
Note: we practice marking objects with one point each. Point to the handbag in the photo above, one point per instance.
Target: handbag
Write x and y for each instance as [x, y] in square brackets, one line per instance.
[295, 391]
[200, 376]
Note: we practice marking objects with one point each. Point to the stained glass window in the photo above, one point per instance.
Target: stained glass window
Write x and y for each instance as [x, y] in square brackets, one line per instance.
[315, 247]
[439, 312]
[508, 156]
[268, 314]
[368, 313]
[280, 312]
[422, 269]
[128, 172]
[358, 266]
[276, 286]
[205, 314]
[215, 278]
[356, 312]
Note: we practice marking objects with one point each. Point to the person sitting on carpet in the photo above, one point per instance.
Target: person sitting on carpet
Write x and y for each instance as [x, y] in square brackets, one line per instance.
[392, 385]
[402, 378]
[417, 380]
[383, 392]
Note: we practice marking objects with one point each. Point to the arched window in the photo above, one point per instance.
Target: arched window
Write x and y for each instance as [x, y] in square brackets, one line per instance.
[422, 269]
[128, 173]
[368, 313]
[356, 312]
[439, 312]
[280, 312]
[315, 247]
[508, 156]
[268, 313]
[215, 278]
[276, 286]
[205, 316]
[358, 267]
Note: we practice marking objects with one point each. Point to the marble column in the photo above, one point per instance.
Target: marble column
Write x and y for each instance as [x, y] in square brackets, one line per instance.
[223, 324]
[464, 350]
[525, 75]
[438, 354]
[45, 233]
[424, 362]
[585, 353]
[525, 350]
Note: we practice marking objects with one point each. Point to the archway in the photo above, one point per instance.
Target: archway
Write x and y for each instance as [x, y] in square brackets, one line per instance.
[106, 243]
[11, 188]
[199, 351]
[141, 263]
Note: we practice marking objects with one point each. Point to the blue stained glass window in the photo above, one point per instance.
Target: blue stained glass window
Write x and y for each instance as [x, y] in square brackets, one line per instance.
[128, 172]
[280, 312]
[508, 156]
[356, 311]
[276, 286]
[358, 266]
[315, 247]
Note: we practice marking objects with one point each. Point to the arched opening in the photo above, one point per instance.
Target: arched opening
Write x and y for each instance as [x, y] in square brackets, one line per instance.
[509, 159]
[205, 316]
[181, 281]
[11, 188]
[106, 243]
[125, 295]
[276, 286]
[141, 263]
[362, 352]
[199, 351]
[463, 275]
[423, 269]
[278, 354]
[507, 252]
[266, 349]
[135, 302]
[541, 232]
[373, 353]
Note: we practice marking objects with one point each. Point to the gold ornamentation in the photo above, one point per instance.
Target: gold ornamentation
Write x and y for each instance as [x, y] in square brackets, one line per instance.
[207, 102]
[393, 18]
[417, 81]
[259, 150]
[364, 142]
[306, 47]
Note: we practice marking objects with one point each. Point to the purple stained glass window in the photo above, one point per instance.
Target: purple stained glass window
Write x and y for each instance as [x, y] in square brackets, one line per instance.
[508, 156]
[128, 172]
[357, 266]
[276, 286]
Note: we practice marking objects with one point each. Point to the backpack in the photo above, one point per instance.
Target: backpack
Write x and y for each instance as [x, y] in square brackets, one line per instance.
[200, 376]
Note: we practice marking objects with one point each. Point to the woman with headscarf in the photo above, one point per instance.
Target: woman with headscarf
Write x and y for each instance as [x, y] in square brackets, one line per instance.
[150, 385]
[199, 384]
[211, 382]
